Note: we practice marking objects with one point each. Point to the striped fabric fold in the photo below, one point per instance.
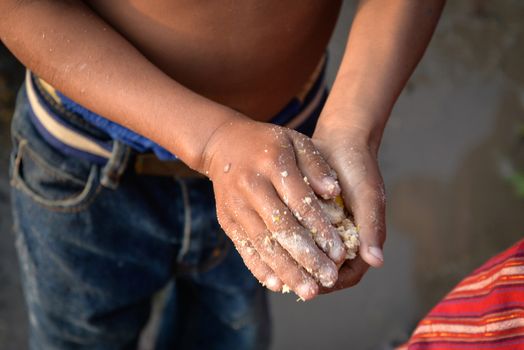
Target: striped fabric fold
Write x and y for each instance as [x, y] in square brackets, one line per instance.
[484, 311]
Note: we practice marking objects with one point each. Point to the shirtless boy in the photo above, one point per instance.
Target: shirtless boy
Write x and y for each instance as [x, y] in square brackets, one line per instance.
[105, 218]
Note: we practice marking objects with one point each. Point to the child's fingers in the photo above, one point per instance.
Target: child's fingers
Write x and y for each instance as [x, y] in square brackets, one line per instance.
[262, 272]
[291, 235]
[279, 260]
[349, 275]
[314, 167]
[368, 210]
[304, 205]
[364, 195]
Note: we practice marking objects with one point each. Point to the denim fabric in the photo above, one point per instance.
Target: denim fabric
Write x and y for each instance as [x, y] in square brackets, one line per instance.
[96, 243]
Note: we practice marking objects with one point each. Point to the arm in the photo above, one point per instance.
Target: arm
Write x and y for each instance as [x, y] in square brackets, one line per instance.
[72, 48]
[69, 46]
[386, 41]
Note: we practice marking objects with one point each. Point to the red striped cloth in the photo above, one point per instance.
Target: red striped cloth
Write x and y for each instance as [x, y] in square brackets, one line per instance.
[484, 311]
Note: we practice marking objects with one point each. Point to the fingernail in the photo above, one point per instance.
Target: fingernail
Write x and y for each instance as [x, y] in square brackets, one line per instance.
[305, 290]
[328, 276]
[331, 185]
[272, 282]
[337, 253]
[377, 253]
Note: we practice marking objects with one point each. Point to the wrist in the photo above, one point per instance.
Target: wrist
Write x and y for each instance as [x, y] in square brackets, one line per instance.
[356, 109]
[350, 125]
[214, 137]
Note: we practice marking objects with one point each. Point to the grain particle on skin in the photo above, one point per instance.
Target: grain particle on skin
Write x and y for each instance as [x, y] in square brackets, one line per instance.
[331, 187]
[284, 173]
[275, 217]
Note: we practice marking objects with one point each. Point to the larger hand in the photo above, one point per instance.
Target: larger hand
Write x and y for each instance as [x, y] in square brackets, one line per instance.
[268, 209]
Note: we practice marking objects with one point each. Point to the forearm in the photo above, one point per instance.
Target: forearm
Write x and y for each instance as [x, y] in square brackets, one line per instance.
[72, 48]
[386, 41]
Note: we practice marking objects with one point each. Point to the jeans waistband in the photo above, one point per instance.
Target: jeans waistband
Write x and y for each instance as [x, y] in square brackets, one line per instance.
[59, 132]
[59, 125]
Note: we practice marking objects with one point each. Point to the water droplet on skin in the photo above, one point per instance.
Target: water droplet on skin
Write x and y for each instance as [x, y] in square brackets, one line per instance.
[284, 173]
[227, 167]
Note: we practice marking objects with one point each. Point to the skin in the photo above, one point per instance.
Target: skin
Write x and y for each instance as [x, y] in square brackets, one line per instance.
[200, 79]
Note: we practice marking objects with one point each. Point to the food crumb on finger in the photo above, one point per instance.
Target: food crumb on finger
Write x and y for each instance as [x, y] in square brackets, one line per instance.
[346, 229]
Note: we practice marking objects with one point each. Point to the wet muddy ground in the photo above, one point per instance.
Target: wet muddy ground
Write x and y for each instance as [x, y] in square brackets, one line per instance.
[453, 144]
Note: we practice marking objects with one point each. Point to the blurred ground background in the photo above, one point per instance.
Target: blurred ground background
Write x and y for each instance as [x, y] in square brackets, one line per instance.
[450, 157]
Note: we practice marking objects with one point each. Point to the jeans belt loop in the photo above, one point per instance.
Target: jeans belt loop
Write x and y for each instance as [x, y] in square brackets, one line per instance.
[115, 166]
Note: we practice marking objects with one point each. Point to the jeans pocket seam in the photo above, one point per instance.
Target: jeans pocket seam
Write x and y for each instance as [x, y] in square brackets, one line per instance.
[75, 203]
[52, 172]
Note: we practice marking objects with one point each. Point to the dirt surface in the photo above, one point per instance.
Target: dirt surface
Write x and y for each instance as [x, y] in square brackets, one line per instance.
[450, 146]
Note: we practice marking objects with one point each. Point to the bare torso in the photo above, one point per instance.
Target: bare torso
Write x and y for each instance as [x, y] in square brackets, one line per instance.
[251, 55]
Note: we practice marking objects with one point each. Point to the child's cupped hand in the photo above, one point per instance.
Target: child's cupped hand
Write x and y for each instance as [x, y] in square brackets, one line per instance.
[265, 179]
[354, 158]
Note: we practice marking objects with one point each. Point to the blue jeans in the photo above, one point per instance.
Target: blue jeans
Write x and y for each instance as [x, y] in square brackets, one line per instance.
[96, 243]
